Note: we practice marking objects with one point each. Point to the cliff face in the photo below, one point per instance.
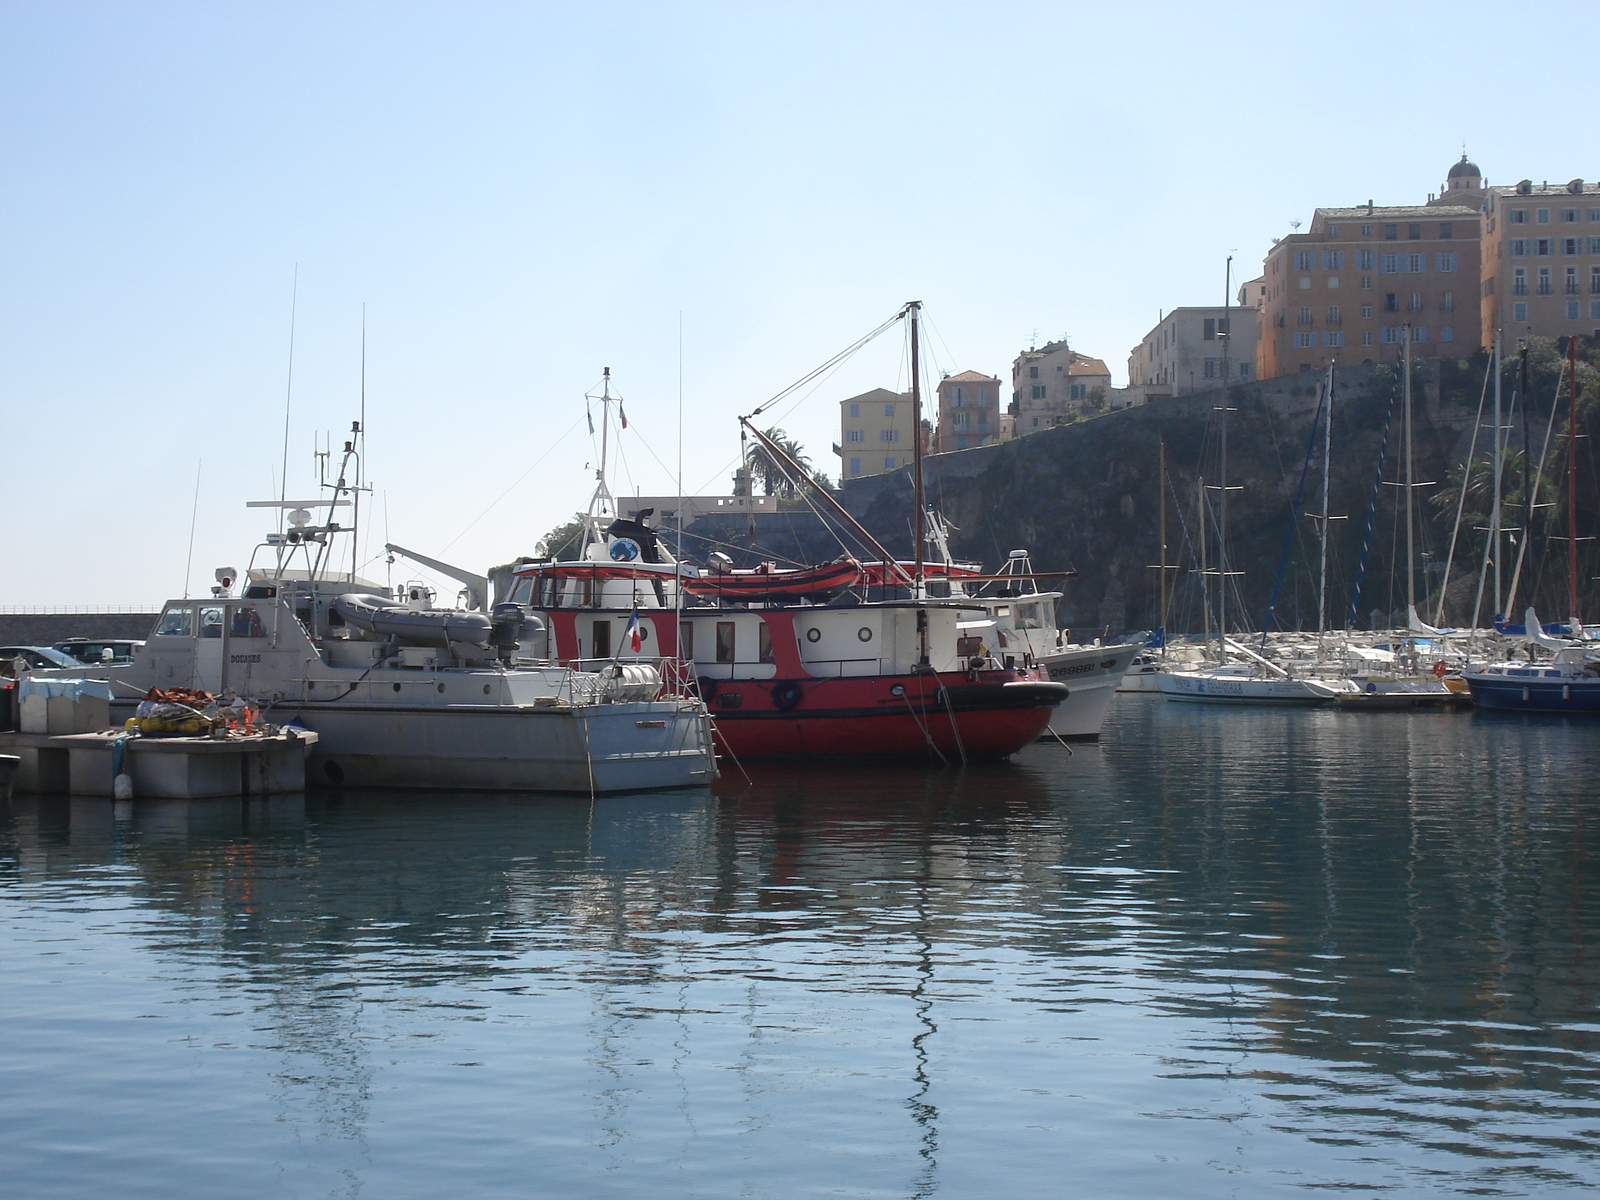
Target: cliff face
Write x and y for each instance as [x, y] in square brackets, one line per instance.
[1086, 497]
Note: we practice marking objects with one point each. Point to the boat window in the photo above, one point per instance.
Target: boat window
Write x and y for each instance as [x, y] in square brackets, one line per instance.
[522, 591]
[602, 639]
[211, 622]
[764, 643]
[686, 640]
[725, 641]
[177, 621]
[586, 591]
[1002, 610]
[247, 624]
[1028, 617]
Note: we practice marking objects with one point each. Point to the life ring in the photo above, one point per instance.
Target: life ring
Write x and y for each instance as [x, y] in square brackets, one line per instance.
[707, 687]
[787, 694]
[1439, 669]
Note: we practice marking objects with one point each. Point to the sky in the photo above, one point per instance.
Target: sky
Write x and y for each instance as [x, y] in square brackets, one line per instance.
[709, 199]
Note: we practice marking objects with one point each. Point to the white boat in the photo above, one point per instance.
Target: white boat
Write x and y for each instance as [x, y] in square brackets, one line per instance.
[403, 694]
[1240, 684]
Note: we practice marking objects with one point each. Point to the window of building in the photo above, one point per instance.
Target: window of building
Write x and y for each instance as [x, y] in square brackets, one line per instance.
[1447, 333]
[1519, 216]
[1304, 341]
[1542, 216]
[1366, 337]
[1305, 315]
[1570, 246]
[1033, 372]
[1445, 262]
[1366, 282]
[1366, 231]
[888, 465]
[1414, 232]
[1333, 231]
[1366, 312]
[1419, 333]
[1208, 329]
[855, 466]
[725, 642]
[855, 410]
[1390, 232]
[1569, 214]
[1446, 229]
[888, 435]
[1391, 302]
[1447, 302]
[1594, 245]
[1416, 263]
[1544, 281]
[1365, 259]
[1519, 312]
[1038, 391]
[888, 409]
[1594, 214]
[1594, 310]
[1078, 391]
[1333, 338]
[1572, 310]
[1389, 264]
[1519, 281]
[1390, 334]
[1209, 368]
[1594, 280]
[1333, 281]
[1543, 246]
[1305, 281]
[1245, 369]
[1305, 260]
[1519, 247]
[1414, 302]
[1333, 260]
[855, 435]
[1572, 281]
[1333, 314]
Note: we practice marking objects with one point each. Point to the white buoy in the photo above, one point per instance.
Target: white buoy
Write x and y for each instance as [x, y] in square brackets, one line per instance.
[122, 787]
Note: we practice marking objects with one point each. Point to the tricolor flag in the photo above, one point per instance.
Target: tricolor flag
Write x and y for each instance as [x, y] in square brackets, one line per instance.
[635, 638]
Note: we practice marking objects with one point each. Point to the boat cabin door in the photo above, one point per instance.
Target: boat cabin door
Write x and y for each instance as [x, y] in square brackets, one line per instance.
[210, 648]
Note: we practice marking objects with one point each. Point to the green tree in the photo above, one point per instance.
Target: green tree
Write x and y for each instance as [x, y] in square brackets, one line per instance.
[775, 480]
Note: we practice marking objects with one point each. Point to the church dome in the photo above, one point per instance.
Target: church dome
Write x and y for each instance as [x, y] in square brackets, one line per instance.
[1464, 167]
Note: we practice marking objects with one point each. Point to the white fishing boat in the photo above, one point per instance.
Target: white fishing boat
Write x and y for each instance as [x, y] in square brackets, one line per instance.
[1248, 684]
[403, 694]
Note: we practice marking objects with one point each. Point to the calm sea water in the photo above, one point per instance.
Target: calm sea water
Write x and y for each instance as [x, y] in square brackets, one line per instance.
[1223, 954]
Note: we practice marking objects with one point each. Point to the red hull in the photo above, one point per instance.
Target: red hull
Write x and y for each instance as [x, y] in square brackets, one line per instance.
[996, 715]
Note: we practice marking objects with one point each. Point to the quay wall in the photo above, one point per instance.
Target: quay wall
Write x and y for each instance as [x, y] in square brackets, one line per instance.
[44, 629]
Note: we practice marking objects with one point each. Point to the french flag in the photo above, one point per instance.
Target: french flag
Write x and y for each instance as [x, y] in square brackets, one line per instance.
[635, 638]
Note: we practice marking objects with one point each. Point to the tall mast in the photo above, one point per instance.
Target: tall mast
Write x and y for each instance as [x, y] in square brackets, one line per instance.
[1222, 500]
[1499, 461]
[1411, 551]
[1572, 482]
[913, 309]
[1205, 587]
[1161, 497]
[1327, 459]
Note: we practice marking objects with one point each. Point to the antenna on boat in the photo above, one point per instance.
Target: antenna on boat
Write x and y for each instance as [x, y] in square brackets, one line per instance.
[602, 502]
[360, 432]
[913, 310]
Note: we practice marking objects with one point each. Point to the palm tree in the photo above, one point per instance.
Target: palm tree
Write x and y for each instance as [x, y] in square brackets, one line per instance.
[772, 474]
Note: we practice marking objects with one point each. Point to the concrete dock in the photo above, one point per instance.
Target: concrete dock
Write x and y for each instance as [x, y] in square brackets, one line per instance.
[84, 764]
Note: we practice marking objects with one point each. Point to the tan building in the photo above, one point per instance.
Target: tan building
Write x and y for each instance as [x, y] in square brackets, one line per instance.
[1541, 260]
[875, 432]
[969, 411]
[1359, 281]
[1193, 349]
[1052, 385]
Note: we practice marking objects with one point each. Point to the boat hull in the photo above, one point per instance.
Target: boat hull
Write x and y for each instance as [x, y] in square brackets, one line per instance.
[1196, 688]
[1092, 675]
[949, 717]
[1510, 693]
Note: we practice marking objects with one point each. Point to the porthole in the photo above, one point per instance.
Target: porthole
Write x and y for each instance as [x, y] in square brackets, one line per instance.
[441, 689]
[397, 687]
[813, 634]
[864, 634]
[898, 689]
[486, 689]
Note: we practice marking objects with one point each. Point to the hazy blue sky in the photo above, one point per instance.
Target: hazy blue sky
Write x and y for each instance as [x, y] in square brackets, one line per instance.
[522, 194]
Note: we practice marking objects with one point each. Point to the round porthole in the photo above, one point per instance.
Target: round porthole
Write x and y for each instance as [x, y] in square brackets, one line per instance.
[813, 635]
[397, 687]
[644, 633]
[486, 689]
[864, 634]
[898, 689]
[441, 689]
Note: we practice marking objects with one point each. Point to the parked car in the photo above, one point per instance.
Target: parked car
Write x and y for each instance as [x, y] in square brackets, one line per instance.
[93, 650]
[38, 658]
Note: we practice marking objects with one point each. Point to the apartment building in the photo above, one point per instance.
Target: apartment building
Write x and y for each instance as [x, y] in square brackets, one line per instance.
[1193, 349]
[875, 433]
[1361, 280]
[969, 411]
[1541, 260]
[1052, 384]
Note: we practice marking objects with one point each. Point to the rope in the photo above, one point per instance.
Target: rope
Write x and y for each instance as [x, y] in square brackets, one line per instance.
[950, 708]
[927, 736]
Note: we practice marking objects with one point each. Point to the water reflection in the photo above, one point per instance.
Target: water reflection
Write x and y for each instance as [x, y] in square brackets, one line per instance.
[1224, 953]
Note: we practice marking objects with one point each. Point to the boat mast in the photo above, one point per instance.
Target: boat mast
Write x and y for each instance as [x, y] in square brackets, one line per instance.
[1572, 485]
[1499, 463]
[1327, 459]
[1411, 553]
[913, 309]
[1222, 499]
[601, 503]
[1161, 501]
[1205, 586]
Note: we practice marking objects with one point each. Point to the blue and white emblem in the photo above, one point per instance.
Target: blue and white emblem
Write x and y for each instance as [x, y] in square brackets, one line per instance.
[624, 550]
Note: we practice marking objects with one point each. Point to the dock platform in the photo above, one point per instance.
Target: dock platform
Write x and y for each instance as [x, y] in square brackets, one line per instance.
[185, 768]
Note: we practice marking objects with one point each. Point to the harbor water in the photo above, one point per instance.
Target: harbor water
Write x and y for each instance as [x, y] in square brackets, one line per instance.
[1225, 953]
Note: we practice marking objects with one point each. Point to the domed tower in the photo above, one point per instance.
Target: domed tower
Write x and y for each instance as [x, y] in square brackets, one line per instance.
[1464, 176]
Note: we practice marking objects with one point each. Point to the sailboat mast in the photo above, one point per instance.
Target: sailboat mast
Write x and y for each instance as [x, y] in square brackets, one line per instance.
[1222, 496]
[1327, 459]
[1161, 500]
[605, 420]
[1499, 464]
[1411, 533]
[1572, 481]
[1205, 592]
[919, 532]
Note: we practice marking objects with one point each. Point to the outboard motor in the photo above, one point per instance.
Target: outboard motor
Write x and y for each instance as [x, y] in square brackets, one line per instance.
[505, 630]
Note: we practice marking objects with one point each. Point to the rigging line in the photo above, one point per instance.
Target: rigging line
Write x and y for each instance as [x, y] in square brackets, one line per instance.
[1538, 479]
[1372, 514]
[1461, 504]
[548, 452]
[288, 395]
[1294, 510]
[829, 364]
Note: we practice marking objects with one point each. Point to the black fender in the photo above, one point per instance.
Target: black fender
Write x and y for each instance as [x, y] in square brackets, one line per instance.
[787, 694]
